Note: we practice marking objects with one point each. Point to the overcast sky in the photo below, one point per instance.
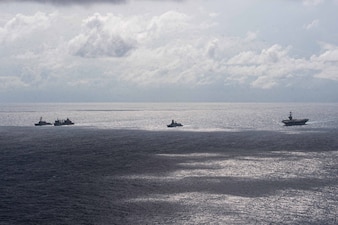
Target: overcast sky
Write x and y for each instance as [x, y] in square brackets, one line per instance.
[172, 50]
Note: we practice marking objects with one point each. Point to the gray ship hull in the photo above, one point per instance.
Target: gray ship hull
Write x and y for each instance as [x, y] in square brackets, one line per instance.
[295, 122]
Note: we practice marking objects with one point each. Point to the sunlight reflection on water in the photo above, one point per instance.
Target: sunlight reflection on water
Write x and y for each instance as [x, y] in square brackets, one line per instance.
[128, 176]
[279, 186]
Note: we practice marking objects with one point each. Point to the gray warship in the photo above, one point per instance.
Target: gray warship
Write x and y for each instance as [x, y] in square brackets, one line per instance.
[63, 122]
[294, 122]
[174, 124]
[42, 123]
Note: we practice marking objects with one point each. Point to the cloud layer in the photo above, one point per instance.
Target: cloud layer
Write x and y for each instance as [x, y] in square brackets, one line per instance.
[102, 37]
[22, 25]
[77, 2]
[67, 2]
[169, 52]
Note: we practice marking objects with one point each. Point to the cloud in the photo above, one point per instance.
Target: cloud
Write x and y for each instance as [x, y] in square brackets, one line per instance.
[102, 36]
[270, 67]
[312, 2]
[77, 2]
[117, 36]
[21, 25]
[275, 66]
[272, 55]
[67, 2]
[167, 23]
[251, 36]
[326, 63]
[169, 50]
[264, 82]
[314, 24]
[164, 52]
[10, 82]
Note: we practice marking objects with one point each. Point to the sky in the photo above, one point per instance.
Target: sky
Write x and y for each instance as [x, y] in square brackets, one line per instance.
[168, 51]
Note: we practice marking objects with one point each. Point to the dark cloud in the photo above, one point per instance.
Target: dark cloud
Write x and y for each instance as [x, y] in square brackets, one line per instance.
[113, 46]
[98, 39]
[78, 2]
[67, 2]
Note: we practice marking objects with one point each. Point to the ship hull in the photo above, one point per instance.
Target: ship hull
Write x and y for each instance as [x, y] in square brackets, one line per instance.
[295, 122]
[175, 125]
[42, 124]
[63, 122]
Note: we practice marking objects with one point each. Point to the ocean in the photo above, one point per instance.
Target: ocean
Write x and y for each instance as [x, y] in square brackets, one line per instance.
[231, 163]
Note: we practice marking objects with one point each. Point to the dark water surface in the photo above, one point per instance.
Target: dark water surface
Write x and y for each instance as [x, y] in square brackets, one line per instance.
[78, 175]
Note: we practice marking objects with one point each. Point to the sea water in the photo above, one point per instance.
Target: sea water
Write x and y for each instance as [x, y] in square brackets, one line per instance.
[120, 164]
[155, 116]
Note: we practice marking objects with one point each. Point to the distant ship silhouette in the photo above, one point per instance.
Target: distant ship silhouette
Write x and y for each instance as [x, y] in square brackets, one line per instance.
[63, 122]
[42, 123]
[174, 124]
[293, 122]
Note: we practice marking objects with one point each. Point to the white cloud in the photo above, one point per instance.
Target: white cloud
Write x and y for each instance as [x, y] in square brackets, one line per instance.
[21, 26]
[117, 36]
[75, 2]
[314, 24]
[326, 63]
[103, 36]
[168, 23]
[186, 49]
[212, 47]
[264, 82]
[274, 66]
[251, 36]
[269, 68]
[273, 54]
[312, 2]
[158, 58]
[11, 82]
